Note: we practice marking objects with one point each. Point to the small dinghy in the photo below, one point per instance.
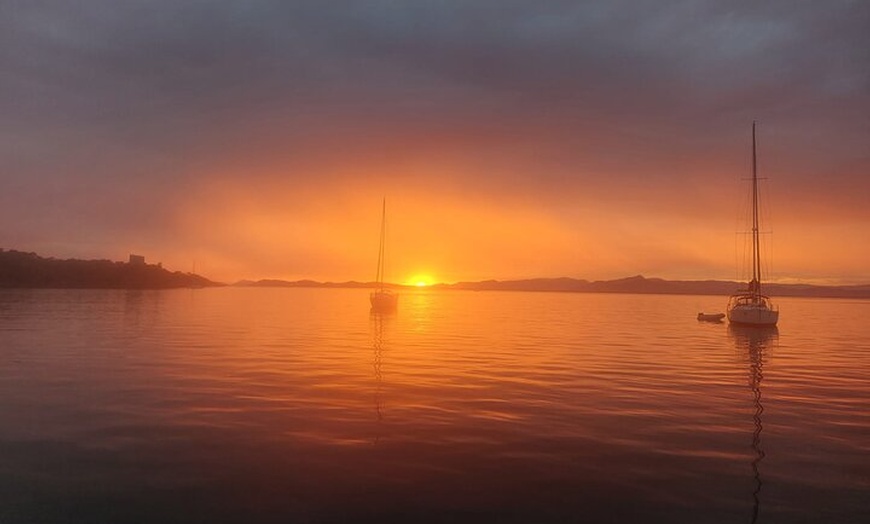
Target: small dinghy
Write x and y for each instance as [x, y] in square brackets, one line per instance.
[711, 317]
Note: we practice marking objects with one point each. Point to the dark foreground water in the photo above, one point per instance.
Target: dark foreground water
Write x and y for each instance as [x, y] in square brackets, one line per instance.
[296, 405]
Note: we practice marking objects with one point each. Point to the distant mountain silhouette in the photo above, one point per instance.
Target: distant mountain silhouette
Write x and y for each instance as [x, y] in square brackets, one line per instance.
[29, 270]
[637, 284]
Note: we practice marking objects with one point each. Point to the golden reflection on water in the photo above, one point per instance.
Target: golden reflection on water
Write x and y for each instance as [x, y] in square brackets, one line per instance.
[754, 341]
[418, 306]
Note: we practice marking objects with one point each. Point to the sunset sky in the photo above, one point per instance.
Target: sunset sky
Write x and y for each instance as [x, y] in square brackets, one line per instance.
[511, 139]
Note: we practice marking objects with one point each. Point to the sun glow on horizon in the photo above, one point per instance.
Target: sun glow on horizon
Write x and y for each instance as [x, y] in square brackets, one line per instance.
[420, 281]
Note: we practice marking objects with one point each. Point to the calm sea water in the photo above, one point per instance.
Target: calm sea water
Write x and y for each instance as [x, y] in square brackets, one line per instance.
[297, 405]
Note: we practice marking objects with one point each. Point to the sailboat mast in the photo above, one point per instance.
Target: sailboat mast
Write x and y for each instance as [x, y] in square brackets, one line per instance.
[380, 276]
[756, 255]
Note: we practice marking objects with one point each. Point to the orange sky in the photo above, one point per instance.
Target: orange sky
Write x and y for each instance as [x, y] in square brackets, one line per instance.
[530, 140]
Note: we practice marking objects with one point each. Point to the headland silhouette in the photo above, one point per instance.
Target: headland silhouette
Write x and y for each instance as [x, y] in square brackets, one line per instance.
[28, 270]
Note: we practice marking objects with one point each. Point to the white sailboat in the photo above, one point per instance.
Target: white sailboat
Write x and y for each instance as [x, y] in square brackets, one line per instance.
[383, 299]
[751, 307]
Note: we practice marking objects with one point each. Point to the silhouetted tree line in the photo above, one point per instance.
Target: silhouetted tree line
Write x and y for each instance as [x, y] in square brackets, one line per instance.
[28, 270]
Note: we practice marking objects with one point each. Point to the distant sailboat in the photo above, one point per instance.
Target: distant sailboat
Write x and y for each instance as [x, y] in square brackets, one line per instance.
[751, 307]
[383, 299]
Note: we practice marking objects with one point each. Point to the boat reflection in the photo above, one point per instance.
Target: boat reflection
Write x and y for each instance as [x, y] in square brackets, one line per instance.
[755, 340]
[378, 323]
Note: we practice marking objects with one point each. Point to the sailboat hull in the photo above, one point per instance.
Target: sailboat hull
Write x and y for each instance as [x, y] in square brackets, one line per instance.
[383, 301]
[749, 310]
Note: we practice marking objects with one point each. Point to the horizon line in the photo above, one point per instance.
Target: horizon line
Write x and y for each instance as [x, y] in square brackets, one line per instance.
[791, 282]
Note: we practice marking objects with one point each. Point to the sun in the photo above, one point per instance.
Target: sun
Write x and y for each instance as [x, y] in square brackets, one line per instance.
[420, 281]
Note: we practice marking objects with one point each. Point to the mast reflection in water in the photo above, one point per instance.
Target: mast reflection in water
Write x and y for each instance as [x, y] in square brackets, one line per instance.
[755, 340]
[378, 320]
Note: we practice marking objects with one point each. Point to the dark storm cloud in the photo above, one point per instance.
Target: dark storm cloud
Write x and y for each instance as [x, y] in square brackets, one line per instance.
[153, 67]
